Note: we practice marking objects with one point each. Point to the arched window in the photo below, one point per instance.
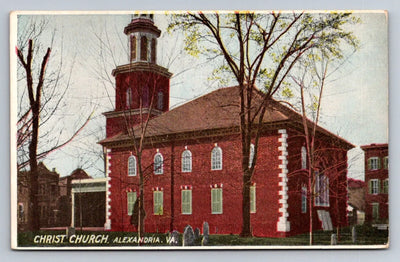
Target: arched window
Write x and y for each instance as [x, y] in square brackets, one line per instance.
[158, 164]
[143, 48]
[132, 166]
[160, 100]
[187, 161]
[251, 156]
[129, 97]
[133, 48]
[303, 157]
[216, 158]
[153, 50]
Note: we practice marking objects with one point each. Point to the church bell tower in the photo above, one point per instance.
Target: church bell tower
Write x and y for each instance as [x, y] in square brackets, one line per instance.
[142, 86]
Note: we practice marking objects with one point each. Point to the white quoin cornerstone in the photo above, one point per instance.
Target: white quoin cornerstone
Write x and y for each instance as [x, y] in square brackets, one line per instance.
[283, 225]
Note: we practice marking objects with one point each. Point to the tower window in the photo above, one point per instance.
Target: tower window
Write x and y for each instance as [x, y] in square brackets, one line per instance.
[160, 100]
[133, 48]
[143, 48]
[153, 50]
[129, 98]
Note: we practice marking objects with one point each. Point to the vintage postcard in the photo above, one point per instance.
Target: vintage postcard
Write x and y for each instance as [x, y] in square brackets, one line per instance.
[199, 130]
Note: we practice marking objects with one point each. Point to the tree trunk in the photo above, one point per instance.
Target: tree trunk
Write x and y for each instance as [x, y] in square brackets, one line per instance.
[246, 225]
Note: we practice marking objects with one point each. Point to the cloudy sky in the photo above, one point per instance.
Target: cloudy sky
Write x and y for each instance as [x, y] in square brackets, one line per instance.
[354, 106]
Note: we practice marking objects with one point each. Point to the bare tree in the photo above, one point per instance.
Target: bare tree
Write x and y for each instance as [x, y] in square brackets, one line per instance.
[310, 80]
[260, 49]
[39, 101]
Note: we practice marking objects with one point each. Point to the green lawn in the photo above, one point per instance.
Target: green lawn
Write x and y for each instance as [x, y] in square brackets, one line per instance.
[365, 236]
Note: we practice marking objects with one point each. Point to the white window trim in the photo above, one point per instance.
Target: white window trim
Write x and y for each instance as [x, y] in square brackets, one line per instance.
[189, 193]
[186, 161]
[214, 159]
[303, 157]
[253, 199]
[130, 205]
[385, 181]
[132, 158]
[375, 184]
[304, 199]
[220, 203]
[251, 155]
[160, 170]
[371, 166]
[386, 162]
[160, 212]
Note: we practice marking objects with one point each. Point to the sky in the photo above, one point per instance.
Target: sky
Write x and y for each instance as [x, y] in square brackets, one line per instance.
[355, 104]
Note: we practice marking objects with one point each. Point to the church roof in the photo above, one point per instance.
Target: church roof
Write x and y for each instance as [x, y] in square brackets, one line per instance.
[219, 109]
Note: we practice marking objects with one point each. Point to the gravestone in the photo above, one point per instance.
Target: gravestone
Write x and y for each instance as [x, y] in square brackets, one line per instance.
[174, 238]
[333, 239]
[188, 236]
[70, 232]
[206, 231]
[353, 234]
[197, 236]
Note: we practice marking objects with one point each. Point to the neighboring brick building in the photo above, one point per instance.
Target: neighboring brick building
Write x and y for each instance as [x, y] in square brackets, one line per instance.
[47, 196]
[192, 159]
[377, 182]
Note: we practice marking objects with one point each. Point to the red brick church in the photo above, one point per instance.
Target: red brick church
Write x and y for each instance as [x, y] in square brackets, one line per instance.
[192, 157]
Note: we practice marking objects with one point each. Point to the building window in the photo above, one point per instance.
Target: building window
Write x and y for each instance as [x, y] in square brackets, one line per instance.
[158, 202]
[160, 101]
[252, 199]
[187, 202]
[386, 162]
[158, 164]
[303, 157]
[216, 201]
[374, 186]
[321, 190]
[374, 163]
[385, 188]
[132, 166]
[303, 199]
[133, 48]
[251, 155]
[216, 158]
[375, 211]
[153, 50]
[186, 161]
[129, 98]
[130, 199]
[143, 48]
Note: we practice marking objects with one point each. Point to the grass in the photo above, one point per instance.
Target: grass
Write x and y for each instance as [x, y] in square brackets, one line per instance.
[366, 235]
